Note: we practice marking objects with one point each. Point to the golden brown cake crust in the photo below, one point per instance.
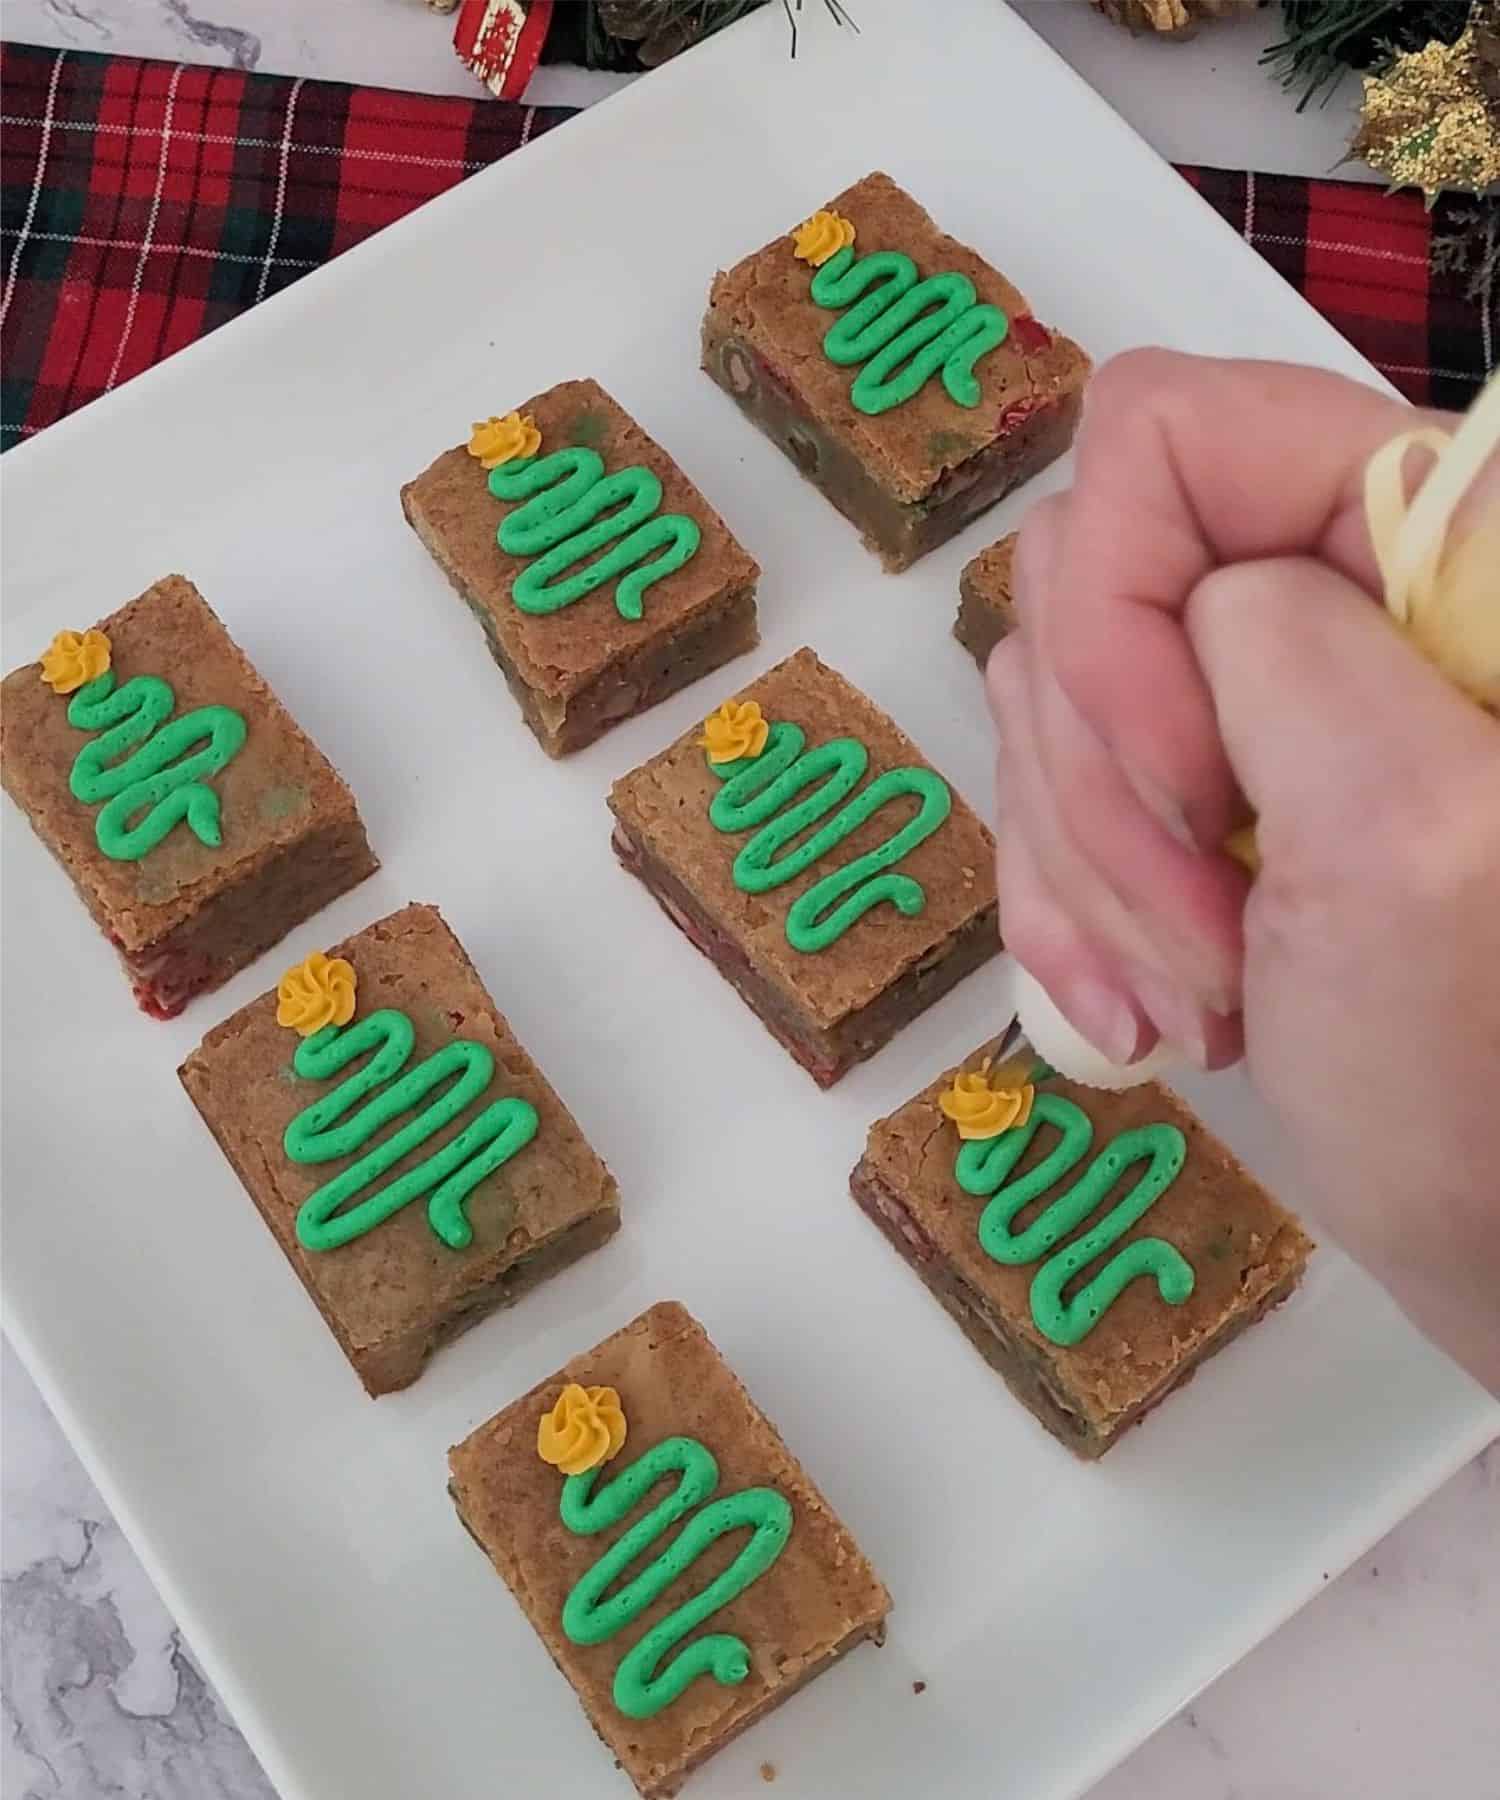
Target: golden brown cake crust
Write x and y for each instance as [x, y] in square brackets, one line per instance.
[818, 1598]
[991, 572]
[393, 1293]
[1242, 1245]
[766, 299]
[664, 806]
[276, 793]
[986, 609]
[558, 654]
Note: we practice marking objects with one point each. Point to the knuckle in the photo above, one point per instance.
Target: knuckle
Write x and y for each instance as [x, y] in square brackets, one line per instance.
[1121, 383]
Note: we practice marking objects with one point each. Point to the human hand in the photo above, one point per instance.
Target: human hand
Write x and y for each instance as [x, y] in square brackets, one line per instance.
[1200, 636]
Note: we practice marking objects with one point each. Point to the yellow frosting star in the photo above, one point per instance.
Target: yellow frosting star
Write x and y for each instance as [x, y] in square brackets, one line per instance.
[496, 441]
[982, 1105]
[821, 236]
[317, 992]
[585, 1428]
[74, 657]
[737, 729]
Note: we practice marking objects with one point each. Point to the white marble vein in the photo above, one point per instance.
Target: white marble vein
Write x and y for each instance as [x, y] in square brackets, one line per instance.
[101, 1698]
[388, 43]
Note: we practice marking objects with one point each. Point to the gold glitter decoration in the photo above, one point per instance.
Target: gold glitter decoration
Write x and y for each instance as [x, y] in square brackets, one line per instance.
[1430, 122]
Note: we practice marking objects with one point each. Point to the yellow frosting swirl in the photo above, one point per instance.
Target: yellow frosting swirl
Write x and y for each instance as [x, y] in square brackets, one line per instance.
[737, 729]
[821, 236]
[74, 657]
[982, 1108]
[585, 1428]
[317, 992]
[496, 441]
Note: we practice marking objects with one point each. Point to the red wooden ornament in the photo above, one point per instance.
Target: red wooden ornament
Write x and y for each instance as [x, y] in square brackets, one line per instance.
[501, 41]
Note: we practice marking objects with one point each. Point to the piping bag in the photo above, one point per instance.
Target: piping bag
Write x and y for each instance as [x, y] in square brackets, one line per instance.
[1444, 598]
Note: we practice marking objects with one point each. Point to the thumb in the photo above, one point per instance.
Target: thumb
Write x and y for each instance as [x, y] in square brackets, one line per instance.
[1338, 731]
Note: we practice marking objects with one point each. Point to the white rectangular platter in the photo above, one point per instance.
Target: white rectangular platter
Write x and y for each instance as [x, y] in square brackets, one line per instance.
[300, 1532]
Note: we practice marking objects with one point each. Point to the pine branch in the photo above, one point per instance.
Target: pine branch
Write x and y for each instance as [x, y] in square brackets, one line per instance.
[1326, 38]
[1472, 250]
[837, 12]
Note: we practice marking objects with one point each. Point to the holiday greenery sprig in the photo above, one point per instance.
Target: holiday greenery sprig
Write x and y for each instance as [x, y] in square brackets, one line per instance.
[1430, 113]
[1326, 38]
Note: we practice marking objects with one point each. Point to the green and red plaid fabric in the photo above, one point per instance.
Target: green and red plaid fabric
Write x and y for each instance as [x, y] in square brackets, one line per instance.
[146, 203]
[1363, 258]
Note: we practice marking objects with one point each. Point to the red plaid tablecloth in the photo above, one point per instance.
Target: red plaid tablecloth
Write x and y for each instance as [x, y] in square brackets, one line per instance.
[145, 203]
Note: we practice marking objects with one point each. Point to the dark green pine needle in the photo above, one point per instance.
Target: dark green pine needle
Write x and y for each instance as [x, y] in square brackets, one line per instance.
[1326, 38]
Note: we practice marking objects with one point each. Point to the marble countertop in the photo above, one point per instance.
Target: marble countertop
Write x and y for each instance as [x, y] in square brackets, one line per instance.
[1382, 1688]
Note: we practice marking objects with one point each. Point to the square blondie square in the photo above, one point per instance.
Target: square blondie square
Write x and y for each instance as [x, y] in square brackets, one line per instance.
[580, 662]
[1096, 1248]
[439, 1179]
[197, 821]
[842, 887]
[986, 604]
[904, 376]
[741, 1582]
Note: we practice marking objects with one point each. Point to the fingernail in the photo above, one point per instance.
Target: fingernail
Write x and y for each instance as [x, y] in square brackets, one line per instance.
[1162, 806]
[1174, 1014]
[1104, 1016]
